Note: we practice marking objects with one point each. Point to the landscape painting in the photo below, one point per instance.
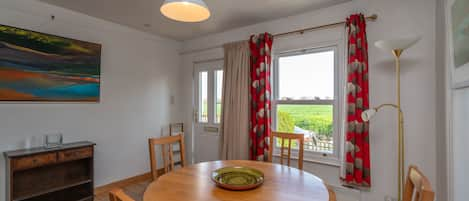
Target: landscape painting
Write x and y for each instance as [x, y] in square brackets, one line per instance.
[460, 20]
[42, 67]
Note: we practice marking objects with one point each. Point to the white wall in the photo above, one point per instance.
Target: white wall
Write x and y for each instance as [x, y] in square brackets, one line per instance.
[139, 75]
[396, 18]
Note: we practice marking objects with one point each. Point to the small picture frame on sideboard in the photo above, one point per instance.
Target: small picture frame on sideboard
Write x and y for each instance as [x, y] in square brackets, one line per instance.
[53, 140]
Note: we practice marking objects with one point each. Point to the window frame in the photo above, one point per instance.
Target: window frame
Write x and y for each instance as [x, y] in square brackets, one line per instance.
[337, 102]
[210, 67]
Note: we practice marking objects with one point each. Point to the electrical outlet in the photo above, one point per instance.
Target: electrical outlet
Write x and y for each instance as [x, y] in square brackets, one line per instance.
[389, 198]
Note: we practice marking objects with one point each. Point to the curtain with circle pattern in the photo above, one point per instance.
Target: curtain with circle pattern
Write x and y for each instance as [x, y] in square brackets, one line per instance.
[357, 147]
[260, 96]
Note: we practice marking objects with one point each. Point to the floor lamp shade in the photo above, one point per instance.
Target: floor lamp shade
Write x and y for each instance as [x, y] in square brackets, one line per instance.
[368, 114]
[397, 44]
[185, 10]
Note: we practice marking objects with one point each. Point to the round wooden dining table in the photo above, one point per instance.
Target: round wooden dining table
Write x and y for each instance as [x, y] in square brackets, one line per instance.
[193, 183]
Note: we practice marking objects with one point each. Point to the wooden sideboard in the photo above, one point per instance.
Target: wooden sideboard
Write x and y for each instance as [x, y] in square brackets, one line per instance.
[63, 173]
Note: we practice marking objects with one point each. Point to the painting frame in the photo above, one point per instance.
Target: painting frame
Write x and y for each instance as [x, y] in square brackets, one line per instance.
[455, 27]
[76, 65]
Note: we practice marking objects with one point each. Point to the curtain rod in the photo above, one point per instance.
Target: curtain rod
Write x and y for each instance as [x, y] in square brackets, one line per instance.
[372, 17]
[302, 31]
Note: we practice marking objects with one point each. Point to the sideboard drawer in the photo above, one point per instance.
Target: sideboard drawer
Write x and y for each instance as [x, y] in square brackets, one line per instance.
[29, 162]
[75, 154]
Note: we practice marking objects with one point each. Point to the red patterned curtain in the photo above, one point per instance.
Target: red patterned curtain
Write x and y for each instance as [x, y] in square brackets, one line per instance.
[260, 96]
[357, 147]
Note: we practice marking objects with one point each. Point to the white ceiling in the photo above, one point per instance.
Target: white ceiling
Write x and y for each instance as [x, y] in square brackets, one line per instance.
[226, 14]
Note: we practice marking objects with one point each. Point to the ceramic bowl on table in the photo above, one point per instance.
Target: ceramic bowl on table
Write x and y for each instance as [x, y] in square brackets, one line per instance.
[238, 178]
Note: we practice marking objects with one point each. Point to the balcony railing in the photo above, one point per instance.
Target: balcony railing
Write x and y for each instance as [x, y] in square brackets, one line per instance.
[322, 144]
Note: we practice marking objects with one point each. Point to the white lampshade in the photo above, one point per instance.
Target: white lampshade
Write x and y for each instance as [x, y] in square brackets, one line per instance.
[397, 44]
[185, 10]
[368, 114]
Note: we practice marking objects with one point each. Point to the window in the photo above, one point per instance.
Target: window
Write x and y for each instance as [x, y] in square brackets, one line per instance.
[203, 97]
[305, 99]
[218, 94]
[208, 90]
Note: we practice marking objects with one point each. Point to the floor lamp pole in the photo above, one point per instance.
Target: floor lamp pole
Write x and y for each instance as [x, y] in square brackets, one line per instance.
[397, 53]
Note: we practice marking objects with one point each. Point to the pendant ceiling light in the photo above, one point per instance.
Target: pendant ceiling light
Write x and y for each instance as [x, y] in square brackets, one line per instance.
[185, 10]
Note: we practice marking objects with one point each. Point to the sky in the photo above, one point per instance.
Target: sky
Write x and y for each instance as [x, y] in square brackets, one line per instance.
[308, 75]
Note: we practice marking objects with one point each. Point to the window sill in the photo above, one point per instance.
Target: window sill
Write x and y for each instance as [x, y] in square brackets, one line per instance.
[329, 162]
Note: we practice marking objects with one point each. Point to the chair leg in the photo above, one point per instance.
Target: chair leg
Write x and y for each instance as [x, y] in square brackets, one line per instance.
[332, 196]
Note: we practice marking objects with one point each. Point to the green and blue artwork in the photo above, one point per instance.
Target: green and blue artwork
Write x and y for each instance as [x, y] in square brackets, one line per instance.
[42, 67]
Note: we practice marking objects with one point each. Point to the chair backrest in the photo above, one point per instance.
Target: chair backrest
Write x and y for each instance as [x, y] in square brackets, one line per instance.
[176, 128]
[417, 186]
[286, 138]
[167, 153]
[119, 195]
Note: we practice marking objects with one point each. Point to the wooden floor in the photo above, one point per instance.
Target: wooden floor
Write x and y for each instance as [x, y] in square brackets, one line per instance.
[133, 190]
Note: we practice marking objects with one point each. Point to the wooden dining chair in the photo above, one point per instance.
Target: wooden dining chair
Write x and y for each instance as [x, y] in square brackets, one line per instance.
[119, 195]
[331, 191]
[417, 186]
[175, 129]
[166, 144]
[287, 137]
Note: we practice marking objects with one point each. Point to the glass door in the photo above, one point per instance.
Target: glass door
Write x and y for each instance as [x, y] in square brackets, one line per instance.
[208, 78]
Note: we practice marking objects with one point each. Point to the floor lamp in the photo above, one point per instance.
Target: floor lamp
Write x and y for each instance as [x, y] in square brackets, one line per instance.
[396, 46]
